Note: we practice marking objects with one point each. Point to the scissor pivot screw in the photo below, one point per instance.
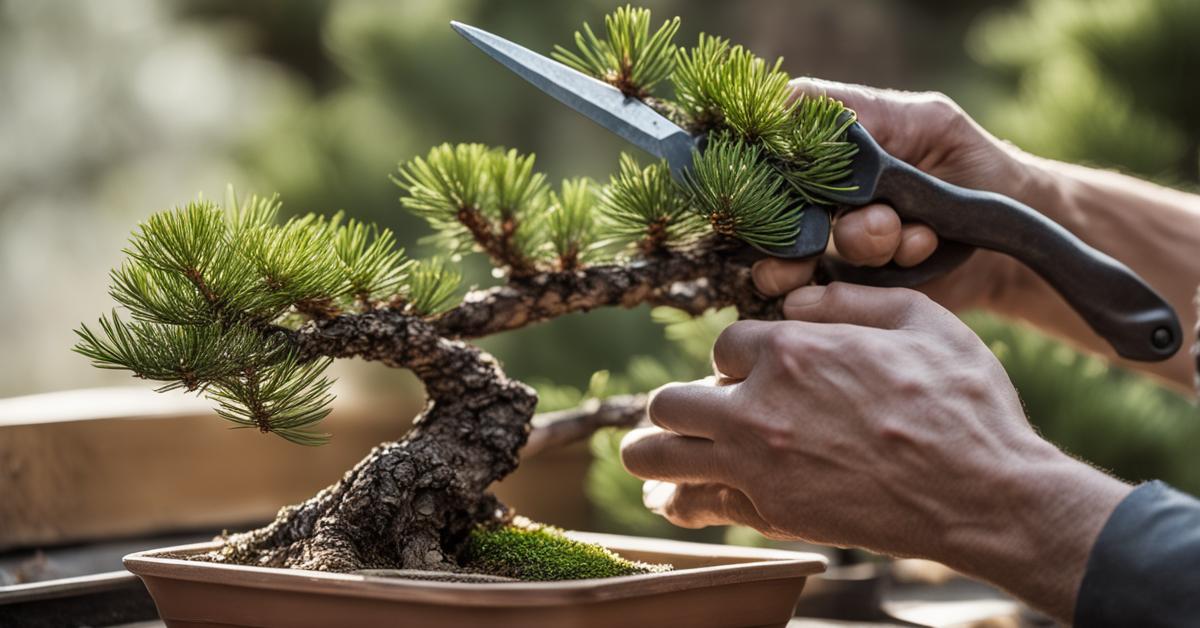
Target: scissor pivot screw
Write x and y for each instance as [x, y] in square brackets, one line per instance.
[1162, 338]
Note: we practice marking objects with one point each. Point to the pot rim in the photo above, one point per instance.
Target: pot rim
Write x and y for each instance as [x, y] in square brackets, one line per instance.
[735, 564]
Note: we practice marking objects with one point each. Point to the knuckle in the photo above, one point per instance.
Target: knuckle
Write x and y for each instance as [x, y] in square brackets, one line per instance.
[973, 386]
[784, 342]
[941, 106]
[896, 432]
[680, 509]
[837, 292]
[776, 435]
[790, 354]
[908, 387]
[915, 304]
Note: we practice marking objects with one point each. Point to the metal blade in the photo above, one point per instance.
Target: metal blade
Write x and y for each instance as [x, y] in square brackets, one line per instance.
[628, 117]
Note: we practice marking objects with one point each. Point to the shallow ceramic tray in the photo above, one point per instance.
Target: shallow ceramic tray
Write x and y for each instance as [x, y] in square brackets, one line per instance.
[712, 586]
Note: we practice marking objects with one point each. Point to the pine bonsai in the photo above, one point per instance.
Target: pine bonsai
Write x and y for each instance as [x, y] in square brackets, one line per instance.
[225, 301]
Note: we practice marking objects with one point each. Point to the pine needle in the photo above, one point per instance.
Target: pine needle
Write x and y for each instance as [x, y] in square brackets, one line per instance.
[629, 57]
[432, 287]
[570, 222]
[644, 206]
[739, 194]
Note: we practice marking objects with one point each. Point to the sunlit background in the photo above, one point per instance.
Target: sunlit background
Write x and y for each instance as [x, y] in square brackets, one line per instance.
[110, 111]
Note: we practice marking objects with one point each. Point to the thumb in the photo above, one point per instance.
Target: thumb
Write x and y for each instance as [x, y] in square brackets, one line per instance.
[868, 306]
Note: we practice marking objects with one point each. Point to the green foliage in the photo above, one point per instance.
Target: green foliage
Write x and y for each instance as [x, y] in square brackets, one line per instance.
[530, 551]
[753, 99]
[184, 241]
[1099, 81]
[818, 156]
[521, 198]
[787, 151]
[450, 180]
[479, 197]
[183, 356]
[180, 269]
[629, 57]
[151, 294]
[644, 206]
[283, 397]
[293, 265]
[432, 286]
[742, 195]
[571, 223]
[768, 156]
[697, 78]
[374, 266]
[209, 290]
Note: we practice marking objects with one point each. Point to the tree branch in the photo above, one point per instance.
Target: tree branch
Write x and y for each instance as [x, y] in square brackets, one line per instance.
[552, 430]
[693, 280]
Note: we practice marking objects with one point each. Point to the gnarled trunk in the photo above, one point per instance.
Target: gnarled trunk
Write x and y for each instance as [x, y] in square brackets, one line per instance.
[410, 503]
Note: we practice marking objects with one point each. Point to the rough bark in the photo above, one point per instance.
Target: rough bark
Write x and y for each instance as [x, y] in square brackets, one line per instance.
[694, 281]
[410, 503]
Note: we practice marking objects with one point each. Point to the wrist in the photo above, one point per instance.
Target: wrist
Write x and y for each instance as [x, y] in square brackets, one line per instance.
[1050, 509]
[1043, 185]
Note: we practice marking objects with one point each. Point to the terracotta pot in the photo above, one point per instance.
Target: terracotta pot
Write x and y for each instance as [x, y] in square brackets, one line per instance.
[712, 586]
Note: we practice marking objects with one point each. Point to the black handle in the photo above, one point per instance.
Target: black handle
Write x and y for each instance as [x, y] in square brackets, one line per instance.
[1115, 302]
[948, 256]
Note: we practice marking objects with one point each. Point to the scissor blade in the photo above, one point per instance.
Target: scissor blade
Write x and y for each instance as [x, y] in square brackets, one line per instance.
[628, 117]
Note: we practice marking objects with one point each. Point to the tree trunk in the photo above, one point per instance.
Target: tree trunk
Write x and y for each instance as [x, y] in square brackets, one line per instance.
[410, 503]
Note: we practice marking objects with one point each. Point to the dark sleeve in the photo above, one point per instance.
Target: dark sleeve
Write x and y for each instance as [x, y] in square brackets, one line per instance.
[1145, 567]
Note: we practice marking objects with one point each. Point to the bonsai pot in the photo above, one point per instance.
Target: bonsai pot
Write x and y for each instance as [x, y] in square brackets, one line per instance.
[711, 586]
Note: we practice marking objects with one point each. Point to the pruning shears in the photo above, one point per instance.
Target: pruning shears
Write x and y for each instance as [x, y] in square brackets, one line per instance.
[1115, 302]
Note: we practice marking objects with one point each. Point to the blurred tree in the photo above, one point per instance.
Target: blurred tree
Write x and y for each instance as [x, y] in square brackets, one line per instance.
[110, 110]
[1108, 82]
[1105, 82]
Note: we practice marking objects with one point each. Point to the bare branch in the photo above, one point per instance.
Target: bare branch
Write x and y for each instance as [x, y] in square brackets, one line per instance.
[552, 430]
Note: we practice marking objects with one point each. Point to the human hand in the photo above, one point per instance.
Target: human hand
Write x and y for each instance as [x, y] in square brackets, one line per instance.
[874, 419]
[932, 133]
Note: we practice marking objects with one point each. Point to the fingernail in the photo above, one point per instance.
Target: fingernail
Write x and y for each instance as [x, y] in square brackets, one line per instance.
[804, 297]
[764, 278]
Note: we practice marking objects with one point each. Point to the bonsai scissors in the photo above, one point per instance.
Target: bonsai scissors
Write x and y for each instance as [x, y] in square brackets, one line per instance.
[1115, 302]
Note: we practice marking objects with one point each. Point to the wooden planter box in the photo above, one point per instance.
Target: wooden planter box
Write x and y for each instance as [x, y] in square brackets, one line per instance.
[111, 463]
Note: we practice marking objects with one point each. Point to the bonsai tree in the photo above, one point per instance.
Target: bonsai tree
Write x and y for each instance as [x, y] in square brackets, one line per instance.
[226, 301]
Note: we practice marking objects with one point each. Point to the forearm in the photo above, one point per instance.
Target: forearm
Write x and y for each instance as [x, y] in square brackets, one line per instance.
[1036, 542]
[1152, 229]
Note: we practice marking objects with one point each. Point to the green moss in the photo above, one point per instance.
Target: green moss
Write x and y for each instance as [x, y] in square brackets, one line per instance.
[532, 551]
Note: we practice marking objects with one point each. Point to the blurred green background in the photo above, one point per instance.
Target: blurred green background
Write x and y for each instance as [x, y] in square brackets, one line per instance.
[111, 111]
